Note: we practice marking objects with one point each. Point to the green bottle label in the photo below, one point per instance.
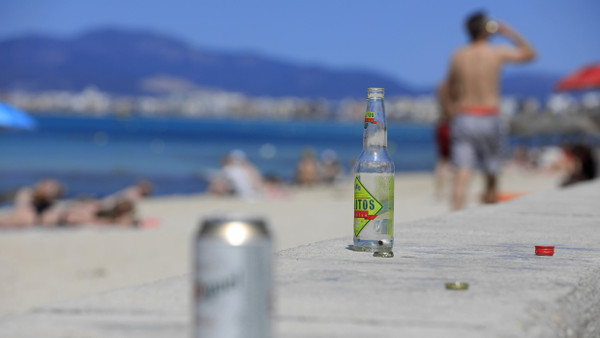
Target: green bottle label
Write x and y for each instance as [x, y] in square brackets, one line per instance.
[366, 207]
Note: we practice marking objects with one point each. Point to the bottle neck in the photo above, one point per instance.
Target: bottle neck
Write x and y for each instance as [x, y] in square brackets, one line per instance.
[375, 132]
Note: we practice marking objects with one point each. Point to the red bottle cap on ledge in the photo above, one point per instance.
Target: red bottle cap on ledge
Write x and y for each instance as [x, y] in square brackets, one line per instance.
[544, 250]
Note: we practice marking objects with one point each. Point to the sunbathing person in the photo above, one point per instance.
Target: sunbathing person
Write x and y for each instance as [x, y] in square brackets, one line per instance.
[36, 206]
[96, 212]
[33, 205]
[116, 209]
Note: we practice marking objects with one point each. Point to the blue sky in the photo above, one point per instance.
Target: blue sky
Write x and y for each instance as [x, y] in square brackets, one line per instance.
[407, 40]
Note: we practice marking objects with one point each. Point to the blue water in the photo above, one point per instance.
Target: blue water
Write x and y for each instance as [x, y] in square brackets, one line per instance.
[98, 155]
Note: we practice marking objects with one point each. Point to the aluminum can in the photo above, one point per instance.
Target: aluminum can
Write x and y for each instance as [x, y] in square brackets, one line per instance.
[232, 278]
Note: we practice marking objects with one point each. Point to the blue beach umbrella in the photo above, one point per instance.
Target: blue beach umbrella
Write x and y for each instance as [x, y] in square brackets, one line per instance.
[12, 118]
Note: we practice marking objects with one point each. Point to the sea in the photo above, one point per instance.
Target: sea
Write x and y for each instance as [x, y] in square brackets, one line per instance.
[98, 155]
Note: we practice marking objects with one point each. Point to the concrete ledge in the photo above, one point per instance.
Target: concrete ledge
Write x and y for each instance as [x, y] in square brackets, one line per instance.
[326, 290]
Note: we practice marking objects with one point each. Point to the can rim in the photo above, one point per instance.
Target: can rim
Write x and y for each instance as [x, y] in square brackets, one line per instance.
[219, 224]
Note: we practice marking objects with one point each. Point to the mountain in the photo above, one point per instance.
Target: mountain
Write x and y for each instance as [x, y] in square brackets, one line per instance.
[529, 84]
[521, 84]
[131, 62]
[137, 62]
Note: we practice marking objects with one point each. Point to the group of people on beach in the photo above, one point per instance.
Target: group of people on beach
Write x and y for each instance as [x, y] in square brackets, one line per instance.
[40, 205]
[239, 177]
[469, 135]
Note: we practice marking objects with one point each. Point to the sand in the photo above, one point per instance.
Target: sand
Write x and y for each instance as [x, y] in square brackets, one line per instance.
[40, 266]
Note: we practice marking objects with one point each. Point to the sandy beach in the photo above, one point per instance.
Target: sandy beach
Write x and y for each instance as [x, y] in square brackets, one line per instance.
[40, 266]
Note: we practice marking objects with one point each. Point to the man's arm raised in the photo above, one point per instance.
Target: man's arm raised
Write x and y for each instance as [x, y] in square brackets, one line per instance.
[524, 51]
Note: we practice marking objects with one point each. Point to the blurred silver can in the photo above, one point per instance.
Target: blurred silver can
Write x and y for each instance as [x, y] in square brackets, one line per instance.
[232, 278]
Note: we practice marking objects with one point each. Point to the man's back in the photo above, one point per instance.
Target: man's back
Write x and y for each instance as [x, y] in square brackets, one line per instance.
[477, 69]
[474, 77]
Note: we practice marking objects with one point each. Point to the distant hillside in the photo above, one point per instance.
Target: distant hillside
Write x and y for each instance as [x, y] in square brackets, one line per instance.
[136, 62]
[529, 84]
[522, 84]
[133, 62]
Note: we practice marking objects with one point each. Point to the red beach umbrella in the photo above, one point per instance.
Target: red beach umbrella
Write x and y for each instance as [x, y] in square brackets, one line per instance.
[587, 77]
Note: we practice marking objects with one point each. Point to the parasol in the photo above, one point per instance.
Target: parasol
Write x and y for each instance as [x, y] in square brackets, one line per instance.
[12, 118]
[587, 77]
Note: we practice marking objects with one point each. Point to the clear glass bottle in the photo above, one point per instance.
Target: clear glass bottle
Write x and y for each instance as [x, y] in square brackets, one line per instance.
[374, 182]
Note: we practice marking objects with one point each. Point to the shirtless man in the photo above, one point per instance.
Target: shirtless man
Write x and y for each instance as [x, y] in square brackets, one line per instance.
[472, 93]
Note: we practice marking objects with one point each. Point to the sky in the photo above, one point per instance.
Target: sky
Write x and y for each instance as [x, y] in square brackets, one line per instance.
[409, 41]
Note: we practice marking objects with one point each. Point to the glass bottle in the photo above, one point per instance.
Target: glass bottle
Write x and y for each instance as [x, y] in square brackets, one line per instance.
[374, 182]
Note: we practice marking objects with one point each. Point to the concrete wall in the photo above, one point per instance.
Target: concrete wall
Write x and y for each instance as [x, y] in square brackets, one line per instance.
[327, 290]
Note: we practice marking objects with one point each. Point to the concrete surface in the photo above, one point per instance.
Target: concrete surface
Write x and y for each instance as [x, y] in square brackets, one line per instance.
[326, 290]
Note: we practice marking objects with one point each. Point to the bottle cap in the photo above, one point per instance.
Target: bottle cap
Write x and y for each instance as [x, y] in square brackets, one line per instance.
[457, 286]
[384, 254]
[544, 250]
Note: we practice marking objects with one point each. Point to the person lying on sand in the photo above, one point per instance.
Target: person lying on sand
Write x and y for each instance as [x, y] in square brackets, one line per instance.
[117, 209]
[33, 204]
[133, 194]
